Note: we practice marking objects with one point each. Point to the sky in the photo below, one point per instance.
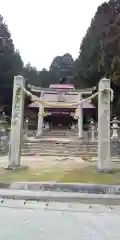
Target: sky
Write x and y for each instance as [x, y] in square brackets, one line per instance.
[44, 29]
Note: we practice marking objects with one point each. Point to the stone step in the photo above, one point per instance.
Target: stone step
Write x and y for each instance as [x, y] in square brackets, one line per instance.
[59, 147]
[59, 134]
[61, 131]
[59, 143]
[61, 150]
[58, 150]
[90, 155]
[48, 149]
[55, 143]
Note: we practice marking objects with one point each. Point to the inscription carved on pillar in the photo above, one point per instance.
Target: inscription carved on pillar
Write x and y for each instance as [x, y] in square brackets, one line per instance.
[16, 122]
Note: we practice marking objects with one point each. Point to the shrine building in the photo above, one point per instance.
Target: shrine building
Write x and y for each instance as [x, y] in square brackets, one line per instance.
[64, 115]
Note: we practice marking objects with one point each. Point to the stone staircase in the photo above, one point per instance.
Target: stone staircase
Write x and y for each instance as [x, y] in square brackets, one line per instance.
[60, 133]
[59, 143]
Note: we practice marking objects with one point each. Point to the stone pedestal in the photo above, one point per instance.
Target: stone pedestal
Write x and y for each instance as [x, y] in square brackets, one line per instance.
[80, 119]
[104, 125]
[40, 119]
[16, 123]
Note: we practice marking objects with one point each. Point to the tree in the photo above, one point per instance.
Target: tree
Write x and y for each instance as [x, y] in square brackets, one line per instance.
[46, 78]
[38, 78]
[62, 67]
[10, 64]
[10, 60]
[31, 74]
[100, 48]
[61, 71]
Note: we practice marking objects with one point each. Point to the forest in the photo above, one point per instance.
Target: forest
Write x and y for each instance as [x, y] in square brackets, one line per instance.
[99, 56]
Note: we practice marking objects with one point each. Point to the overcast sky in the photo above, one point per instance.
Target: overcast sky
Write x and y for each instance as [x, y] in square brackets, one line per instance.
[43, 29]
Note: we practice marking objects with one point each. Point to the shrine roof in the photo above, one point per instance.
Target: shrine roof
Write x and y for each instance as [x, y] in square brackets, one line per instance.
[61, 86]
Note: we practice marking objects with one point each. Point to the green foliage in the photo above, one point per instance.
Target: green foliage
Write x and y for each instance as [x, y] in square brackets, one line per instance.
[62, 67]
[11, 64]
[39, 78]
[61, 71]
[10, 60]
[100, 48]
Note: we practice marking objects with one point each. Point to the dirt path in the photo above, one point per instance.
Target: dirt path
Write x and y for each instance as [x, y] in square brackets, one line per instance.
[48, 162]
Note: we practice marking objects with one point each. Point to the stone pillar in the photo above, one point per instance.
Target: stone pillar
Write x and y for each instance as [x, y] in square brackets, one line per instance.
[104, 125]
[40, 118]
[16, 123]
[80, 119]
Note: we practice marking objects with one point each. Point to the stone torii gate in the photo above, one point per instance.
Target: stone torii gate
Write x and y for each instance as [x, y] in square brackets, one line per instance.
[103, 124]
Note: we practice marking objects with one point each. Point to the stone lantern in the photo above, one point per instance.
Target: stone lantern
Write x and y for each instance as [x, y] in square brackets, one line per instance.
[115, 127]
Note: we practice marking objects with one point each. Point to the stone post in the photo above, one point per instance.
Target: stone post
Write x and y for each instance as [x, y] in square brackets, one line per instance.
[16, 123]
[104, 125]
[40, 118]
[92, 125]
[26, 128]
[80, 119]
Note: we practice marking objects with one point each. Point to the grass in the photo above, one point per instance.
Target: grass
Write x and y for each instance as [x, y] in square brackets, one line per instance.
[84, 175]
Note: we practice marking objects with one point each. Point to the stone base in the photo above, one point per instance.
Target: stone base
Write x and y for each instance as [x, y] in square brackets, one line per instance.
[32, 139]
[39, 135]
[111, 170]
[16, 168]
[111, 166]
[80, 138]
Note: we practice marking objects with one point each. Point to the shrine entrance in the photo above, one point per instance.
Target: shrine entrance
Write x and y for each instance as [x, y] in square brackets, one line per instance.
[59, 120]
[60, 108]
[59, 117]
